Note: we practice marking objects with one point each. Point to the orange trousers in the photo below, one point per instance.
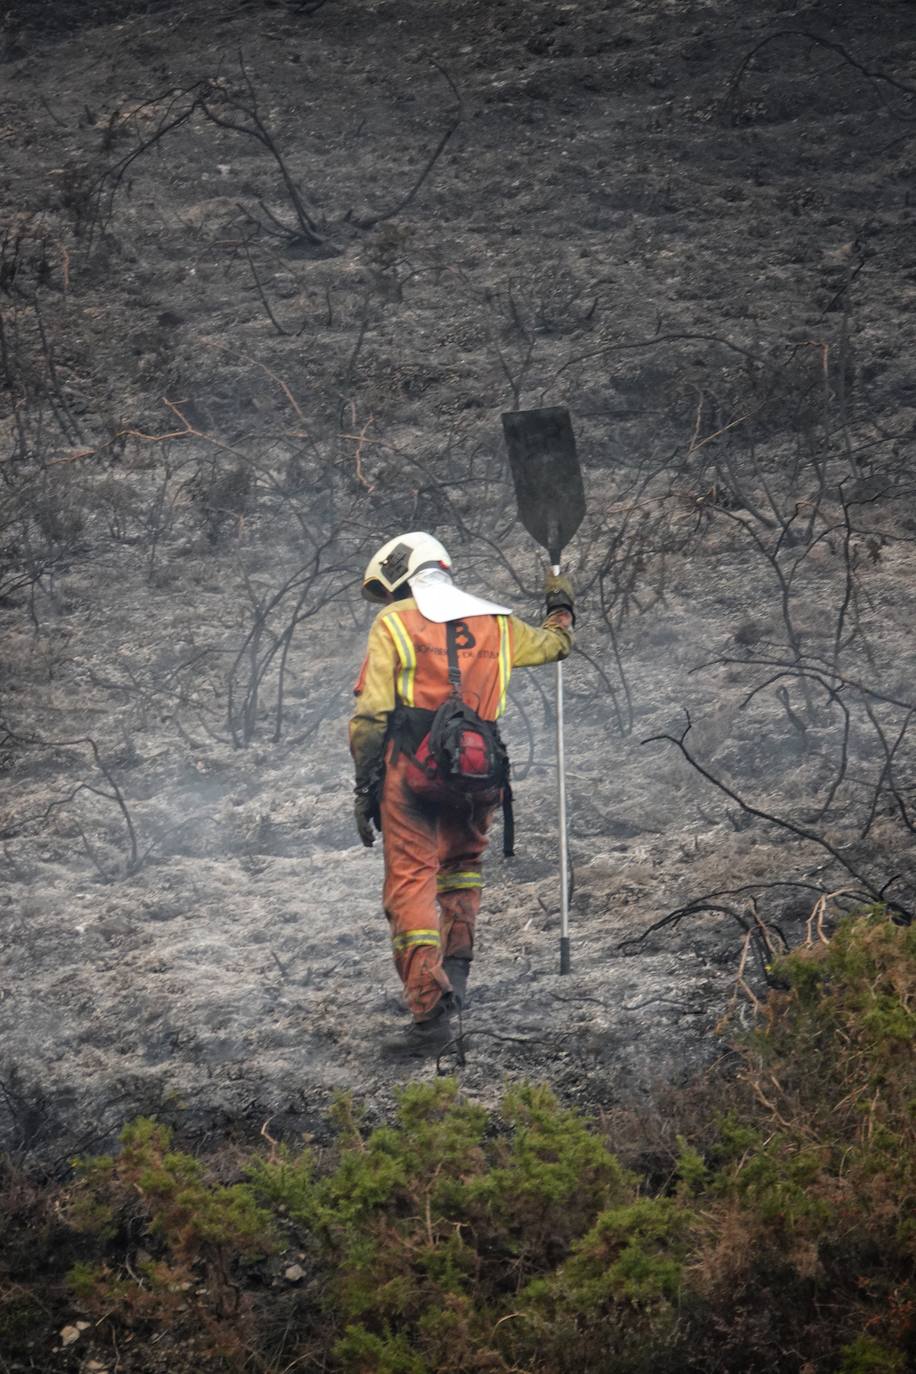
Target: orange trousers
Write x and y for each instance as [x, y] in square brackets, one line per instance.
[433, 844]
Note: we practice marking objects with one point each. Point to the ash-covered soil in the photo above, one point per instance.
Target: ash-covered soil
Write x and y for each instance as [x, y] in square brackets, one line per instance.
[249, 332]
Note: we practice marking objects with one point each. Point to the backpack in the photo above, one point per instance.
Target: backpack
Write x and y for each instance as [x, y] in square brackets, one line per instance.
[463, 751]
[458, 751]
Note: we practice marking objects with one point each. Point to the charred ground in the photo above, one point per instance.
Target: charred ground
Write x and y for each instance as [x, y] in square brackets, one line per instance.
[269, 276]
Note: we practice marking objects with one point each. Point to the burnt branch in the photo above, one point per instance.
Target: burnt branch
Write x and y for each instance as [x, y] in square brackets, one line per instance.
[370, 221]
[757, 933]
[113, 794]
[232, 112]
[870, 74]
[783, 823]
[284, 333]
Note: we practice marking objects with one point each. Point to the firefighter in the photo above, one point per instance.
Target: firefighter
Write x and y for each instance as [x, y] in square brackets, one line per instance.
[432, 644]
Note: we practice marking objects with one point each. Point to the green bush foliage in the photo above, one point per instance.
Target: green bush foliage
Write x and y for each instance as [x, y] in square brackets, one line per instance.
[456, 1240]
[193, 1234]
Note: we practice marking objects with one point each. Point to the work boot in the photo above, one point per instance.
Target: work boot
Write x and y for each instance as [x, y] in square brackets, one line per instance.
[457, 970]
[423, 1037]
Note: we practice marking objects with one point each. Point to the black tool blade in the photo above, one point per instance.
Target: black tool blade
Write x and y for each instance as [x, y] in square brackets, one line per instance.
[545, 470]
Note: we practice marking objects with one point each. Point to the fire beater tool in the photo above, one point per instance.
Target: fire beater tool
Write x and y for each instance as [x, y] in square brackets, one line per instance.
[551, 504]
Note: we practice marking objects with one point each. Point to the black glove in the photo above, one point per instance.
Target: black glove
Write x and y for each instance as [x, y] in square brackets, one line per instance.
[365, 811]
[362, 810]
[558, 593]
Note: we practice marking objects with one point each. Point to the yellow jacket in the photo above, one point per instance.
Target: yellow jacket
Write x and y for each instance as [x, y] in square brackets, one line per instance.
[378, 689]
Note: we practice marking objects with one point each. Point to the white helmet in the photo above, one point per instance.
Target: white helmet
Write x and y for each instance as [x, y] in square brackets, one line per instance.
[399, 560]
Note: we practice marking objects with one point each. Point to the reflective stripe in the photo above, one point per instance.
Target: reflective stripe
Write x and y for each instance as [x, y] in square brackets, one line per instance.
[409, 938]
[505, 662]
[455, 882]
[406, 653]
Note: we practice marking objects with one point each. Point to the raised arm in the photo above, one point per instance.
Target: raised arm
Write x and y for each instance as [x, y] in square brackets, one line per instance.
[554, 639]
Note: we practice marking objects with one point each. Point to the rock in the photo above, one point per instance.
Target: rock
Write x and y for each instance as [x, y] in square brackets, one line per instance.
[294, 1273]
[69, 1334]
[285, 285]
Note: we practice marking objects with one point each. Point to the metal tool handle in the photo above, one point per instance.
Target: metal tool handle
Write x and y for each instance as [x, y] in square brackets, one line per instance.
[561, 815]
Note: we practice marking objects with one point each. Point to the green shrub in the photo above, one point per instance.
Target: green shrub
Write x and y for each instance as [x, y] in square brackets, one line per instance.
[194, 1218]
[21, 1315]
[548, 1178]
[867, 1356]
[359, 1350]
[453, 1240]
[197, 1233]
